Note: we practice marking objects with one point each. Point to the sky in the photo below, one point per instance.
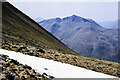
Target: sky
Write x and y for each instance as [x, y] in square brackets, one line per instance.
[98, 11]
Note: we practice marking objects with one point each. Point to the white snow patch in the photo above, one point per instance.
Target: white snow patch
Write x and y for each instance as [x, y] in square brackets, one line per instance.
[54, 68]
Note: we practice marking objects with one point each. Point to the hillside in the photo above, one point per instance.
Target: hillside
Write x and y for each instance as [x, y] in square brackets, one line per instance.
[13, 70]
[84, 36]
[54, 68]
[19, 28]
[21, 34]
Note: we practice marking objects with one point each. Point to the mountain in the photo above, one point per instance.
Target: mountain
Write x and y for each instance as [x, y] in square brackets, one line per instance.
[109, 24]
[38, 19]
[19, 28]
[84, 36]
[23, 35]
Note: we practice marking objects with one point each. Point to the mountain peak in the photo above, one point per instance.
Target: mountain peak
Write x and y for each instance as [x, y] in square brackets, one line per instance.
[58, 19]
[75, 16]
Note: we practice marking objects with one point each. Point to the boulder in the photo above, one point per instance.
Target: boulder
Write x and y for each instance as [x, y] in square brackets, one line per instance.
[9, 75]
[14, 61]
[28, 67]
[40, 50]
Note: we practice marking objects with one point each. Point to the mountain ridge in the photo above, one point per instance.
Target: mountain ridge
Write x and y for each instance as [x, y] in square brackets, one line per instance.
[75, 30]
[21, 34]
[16, 32]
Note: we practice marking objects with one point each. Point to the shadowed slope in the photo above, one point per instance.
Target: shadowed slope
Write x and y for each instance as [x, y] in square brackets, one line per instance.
[17, 27]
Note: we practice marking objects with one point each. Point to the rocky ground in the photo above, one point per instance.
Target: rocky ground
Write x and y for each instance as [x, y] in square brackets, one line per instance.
[97, 65]
[13, 70]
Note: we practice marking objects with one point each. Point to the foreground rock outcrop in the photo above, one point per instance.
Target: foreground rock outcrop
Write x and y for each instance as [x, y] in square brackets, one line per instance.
[21, 34]
[13, 70]
[97, 65]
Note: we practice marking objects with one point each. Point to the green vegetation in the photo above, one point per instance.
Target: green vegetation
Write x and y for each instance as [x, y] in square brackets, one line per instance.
[22, 34]
[17, 27]
[106, 67]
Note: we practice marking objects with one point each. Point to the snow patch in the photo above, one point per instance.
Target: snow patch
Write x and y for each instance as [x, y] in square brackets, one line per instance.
[54, 68]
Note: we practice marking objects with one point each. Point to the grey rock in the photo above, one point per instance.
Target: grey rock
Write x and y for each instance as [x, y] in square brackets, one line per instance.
[84, 36]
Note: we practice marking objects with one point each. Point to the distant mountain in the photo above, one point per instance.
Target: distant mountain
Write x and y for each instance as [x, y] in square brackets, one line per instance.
[38, 19]
[22, 34]
[84, 36]
[110, 24]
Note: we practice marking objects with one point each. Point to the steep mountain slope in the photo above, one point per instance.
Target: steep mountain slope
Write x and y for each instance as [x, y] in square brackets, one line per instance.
[22, 34]
[84, 36]
[19, 28]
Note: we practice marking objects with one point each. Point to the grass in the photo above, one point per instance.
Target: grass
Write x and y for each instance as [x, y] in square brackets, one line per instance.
[107, 67]
[19, 27]
[19, 30]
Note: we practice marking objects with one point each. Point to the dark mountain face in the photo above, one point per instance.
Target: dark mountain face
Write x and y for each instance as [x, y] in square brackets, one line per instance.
[19, 28]
[84, 36]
